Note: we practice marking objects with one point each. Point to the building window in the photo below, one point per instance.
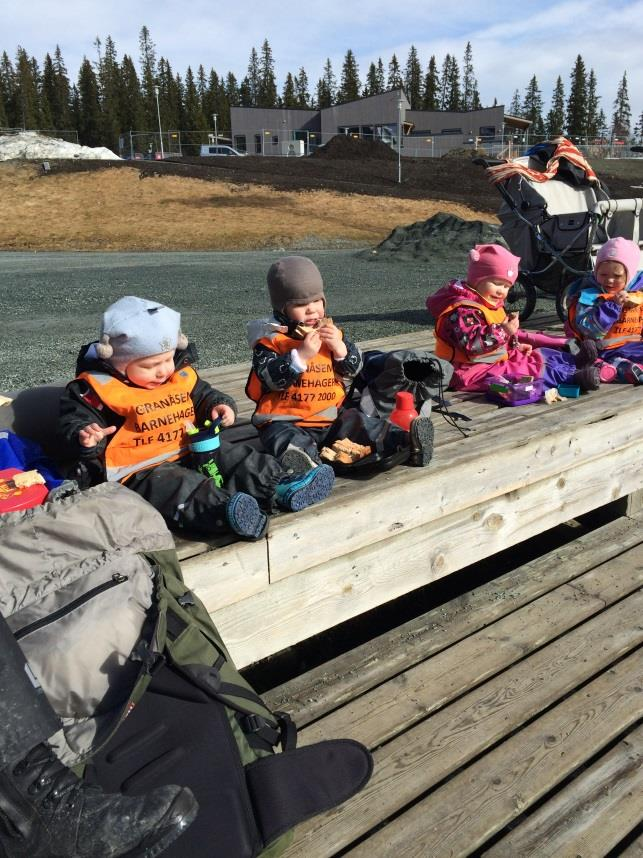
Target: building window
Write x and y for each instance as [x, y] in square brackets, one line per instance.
[487, 131]
[275, 140]
[258, 144]
[240, 142]
[451, 131]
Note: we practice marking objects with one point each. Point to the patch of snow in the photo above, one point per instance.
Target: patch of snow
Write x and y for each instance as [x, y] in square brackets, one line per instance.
[33, 146]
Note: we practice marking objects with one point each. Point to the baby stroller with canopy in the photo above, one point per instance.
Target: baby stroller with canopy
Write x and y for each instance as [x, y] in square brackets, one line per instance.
[555, 215]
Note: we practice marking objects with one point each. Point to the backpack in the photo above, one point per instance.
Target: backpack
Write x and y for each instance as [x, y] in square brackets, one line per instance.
[143, 684]
[384, 374]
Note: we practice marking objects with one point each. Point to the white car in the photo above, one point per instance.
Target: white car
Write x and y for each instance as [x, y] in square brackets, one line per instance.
[207, 150]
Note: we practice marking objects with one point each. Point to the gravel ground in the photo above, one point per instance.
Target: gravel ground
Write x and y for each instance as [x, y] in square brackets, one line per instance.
[51, 303]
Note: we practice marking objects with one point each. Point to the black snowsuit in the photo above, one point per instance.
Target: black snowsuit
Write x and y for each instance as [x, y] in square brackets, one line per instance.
[185, 498]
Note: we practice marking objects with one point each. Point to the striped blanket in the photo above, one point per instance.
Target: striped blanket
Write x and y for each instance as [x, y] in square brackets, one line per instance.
[564, 149]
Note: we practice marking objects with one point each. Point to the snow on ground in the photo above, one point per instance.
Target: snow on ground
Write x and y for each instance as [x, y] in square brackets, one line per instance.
[34, 146]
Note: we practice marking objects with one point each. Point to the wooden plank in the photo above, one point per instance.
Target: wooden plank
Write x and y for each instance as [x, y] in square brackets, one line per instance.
[473, 472]
[391, 708]
[590, 815]
[318, 598]
[475, 804]
[229, 574]
[318, 691]
[412, 763]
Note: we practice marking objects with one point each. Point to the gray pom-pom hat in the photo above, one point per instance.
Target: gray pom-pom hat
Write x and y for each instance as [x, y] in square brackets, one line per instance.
[134, 328]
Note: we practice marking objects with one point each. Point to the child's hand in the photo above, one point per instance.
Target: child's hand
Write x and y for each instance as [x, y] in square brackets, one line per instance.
[332, 336]
[93, 434]
[310, 346]
[619, 297]
[225, 413]
[511, 324]
[525, 348]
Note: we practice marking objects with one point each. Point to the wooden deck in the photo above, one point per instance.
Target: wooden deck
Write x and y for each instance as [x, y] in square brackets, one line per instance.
[519, 472]
[505, 723]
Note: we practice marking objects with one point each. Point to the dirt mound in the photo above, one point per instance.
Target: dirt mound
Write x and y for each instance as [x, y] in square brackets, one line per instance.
[345, 147]
[441, 236]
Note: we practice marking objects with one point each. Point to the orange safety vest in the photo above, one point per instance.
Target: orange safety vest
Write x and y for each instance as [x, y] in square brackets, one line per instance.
[628, 328]
[313, 399]
[153, 430]
[444, 349]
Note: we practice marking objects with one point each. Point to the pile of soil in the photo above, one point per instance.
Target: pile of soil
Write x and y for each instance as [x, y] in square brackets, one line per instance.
[343, 146]
[438, 238]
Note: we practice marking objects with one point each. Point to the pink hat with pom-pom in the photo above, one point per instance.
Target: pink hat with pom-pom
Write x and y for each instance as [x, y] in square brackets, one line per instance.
[488, 261]
[620, 250]
[136, 328]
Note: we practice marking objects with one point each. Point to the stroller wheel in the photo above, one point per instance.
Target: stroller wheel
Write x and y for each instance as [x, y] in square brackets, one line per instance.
[521, 299]
[562, 302]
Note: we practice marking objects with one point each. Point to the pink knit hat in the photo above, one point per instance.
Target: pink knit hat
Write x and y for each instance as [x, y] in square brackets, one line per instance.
[620, 250]
[487, 261]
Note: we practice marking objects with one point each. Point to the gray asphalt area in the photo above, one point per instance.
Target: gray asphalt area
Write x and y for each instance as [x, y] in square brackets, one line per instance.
[51, 303]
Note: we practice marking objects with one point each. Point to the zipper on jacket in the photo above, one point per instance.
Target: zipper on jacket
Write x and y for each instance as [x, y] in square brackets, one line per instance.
[115, 580]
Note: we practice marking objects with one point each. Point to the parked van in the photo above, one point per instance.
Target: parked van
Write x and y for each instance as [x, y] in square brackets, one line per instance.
[209, 149]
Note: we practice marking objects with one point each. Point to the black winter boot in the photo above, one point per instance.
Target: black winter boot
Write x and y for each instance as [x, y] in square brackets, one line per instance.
[47, 812]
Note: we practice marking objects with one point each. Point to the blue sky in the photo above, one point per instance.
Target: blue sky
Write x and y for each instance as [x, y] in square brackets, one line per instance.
[510, 43]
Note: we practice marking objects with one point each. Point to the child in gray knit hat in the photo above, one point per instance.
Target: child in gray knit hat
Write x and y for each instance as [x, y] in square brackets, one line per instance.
[126, 418]
[302, 367]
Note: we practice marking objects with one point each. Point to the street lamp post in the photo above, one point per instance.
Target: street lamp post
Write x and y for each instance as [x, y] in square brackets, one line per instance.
[399, 140]
[216, 136]
[158, 113]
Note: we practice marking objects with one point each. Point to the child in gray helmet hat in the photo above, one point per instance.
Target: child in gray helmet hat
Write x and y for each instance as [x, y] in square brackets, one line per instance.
[302, 367]
[125, 418]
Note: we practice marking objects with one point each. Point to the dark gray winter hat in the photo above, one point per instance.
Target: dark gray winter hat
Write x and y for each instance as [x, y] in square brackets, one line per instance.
[294, 280]
[136, 328]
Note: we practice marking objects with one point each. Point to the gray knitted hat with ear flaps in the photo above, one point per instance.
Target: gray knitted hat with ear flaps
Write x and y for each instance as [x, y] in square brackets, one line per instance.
[294, 280]
[135, 328]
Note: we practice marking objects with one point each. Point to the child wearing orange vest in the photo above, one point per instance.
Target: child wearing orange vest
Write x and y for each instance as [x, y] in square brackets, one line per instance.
[476, 335]
[126, 415]
[302, 366]
[607, 307]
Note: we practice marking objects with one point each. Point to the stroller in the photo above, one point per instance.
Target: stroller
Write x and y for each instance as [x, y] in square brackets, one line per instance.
[556, 215]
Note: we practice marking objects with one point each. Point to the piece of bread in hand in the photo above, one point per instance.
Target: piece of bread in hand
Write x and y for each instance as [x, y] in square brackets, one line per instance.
[301, 330]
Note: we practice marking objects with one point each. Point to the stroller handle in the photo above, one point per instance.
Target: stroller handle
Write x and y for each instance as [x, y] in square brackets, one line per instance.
[607, 207]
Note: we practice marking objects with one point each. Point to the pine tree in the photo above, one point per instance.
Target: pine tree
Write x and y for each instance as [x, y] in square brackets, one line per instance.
[381, 80]
[61, 103]
[622, 115]
[232, 90]
[89, 119]
[370, 88]
[109, 88]
[350, 85]
[593, 117]
[454, 96]
[532, 108]
[193, 114]
[515, 108]
[470, 98]
[394, 79]
[147, 59]
[288, 97]
[445, 83]
[326, 87]
[26, 92]
[3, 112]
[638, 129]
[245, 93]
[556, 117]
[267, 95]
[413, 79]
[202, 91]
[431, 96]
[8, 89]
[302, 95]
[576, 113]
[47, 93]
[131, 114]
[252, 80]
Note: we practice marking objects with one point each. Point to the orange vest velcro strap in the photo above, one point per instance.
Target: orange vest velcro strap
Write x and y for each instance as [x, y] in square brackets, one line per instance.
[153, 429]
[493, 316]
[312, 400]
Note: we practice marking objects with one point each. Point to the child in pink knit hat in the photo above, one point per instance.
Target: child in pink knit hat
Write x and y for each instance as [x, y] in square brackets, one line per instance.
[484, 343]
[607, 307]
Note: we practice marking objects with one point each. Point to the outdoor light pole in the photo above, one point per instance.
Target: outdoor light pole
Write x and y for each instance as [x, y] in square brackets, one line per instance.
[216, 136]
[399, 140]
[158, 112]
